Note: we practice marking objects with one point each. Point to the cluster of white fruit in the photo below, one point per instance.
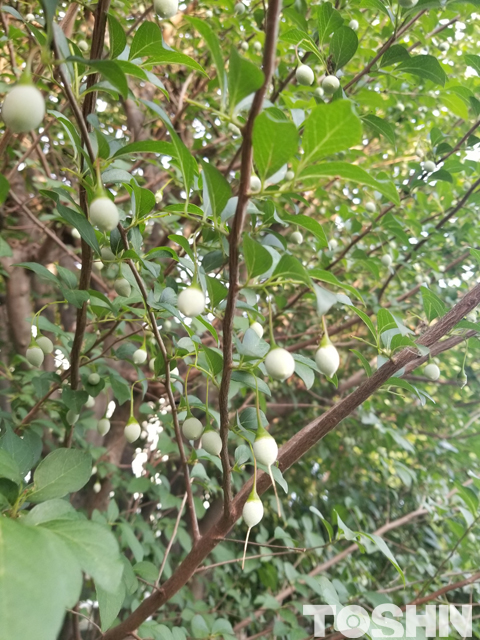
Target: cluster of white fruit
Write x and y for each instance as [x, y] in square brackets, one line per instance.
[305, 76]
[40, 346]
[192, 429]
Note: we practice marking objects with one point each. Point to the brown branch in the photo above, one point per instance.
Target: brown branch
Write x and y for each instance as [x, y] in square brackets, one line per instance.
[289, 453]
[269, 58]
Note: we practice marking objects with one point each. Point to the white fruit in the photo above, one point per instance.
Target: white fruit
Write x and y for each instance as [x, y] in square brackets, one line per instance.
[353, 24]
[328, 360]
[76, 234]
[90, 403]
[319, 92]
[107, 253]
[370, 207]
[35, 356]
[244, 46]
[208, 13]
[429, 166]
[255, 184]
[212, 443]
[297, 237]
[239, 9]
[159, 196]
[234, 129]
[23, 108]
[29, 17]
[290, 175]
[330, 84]
[103, 426]
[82, 45]
[140, 356]
[333, 244]
[104, 213]
[45, 344]
[265, 450]
[257, 46]
[97, 265]
[167, 325]
[97, 487]
[387, 260]
[280, 364]
[122, 287]
[191, 302]
[444, 46]
[407, 4]
[93, 379]
[432, 371]
[151, 364]
[304, 75]
[257, 327]
[132, 431]
[165, 8]
[252, 512]
[192, 428]
[72, 417]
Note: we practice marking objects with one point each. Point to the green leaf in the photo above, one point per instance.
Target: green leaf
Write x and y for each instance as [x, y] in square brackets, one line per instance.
[275, 141]
[251, 381]
[55, 509]
[468, 496]
[244, 78]
[216, 290]
[301, 39]
[212, 42]
[9, 468]
[395, 53]
[330, 128]
[144, 200]
[148, 42]
[24, 451]
[326, 276]
[110, 70]
[214, 359]
[426, 67]
[109, 604]
[40, 270]
[352, 173]
[385, 321]
[118, 39]
[381, 127]
[343, 46]
[290, 268]
[217, 191]
[382, 546]
[433, 306]
[366, 320]
[62, 471]
[310, 224]
[39, 579]
[328, 20]
[257, 258]
[146, 146]
[199, 627]
[81, 224]
[473, 61]
[94, 547]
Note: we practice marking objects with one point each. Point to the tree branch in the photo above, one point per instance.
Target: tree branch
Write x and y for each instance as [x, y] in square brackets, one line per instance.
[273, 17]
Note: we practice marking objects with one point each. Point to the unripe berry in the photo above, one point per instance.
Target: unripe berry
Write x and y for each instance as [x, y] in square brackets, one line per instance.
[432, 371]
[444, 46]
[23, 108]
[151, 364]
[76, 234]
[167, 325]
[387, 260]
[252, 511]
[370, 207]
[257, 46]
[72, 417]
[257, 327]
[90, 403]
[122, 287]
[353, 24]
[29, 17]
[103, 426]
[82, 45]
[327, 359]
[304, 75]
[290, 175]
[93, 379]
[140, 356]
[239, 9]
[297, 237]
[330, 84]
[165, 8]
[265, 449]
[159, 196]
[208, 13]
[333, 244]
[319, 92]
[132, 430]
[104, 213]
[244, 46]
[212, 443]
[407, 4]
[191, 302]
[279, 364]
[234, 129]
[429, 166]
[255, 184]
[192, 428]
[35, 356]
[45, 344]
[107, 253]
[97, 487]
